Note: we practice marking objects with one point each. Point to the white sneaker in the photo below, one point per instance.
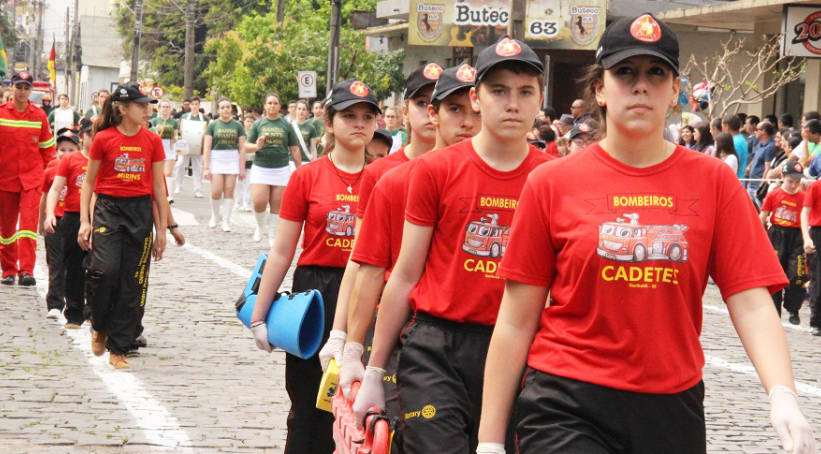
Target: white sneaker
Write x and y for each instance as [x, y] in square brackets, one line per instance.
[257, 235]
[226, 226]
[247, 208]
[54, 314]
[213, 221]
[198, 194]
[178, 191]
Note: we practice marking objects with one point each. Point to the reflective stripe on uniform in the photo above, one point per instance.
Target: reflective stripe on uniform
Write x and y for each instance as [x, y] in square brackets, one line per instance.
[47, 143]
[7, 241]
[20, 123]
[18, 235]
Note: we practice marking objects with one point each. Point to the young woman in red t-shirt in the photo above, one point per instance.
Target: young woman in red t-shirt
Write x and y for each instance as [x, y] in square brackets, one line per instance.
[321, 197]
[125, 170]
[614, 363]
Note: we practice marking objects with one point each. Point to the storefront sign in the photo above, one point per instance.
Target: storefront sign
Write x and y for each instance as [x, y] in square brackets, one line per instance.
[801, 29]
[550, 24]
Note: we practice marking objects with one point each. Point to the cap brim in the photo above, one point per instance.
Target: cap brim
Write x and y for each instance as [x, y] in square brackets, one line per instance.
[612, 60]
[75, 140]
[538, 67]
[414, 92]
[345, 104]
[146, 100]
[445, 94]
[794, 175]
[23, 82]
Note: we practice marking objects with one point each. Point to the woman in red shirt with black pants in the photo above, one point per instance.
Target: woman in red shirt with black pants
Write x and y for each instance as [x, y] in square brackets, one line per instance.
[125, 169]
[323, 196]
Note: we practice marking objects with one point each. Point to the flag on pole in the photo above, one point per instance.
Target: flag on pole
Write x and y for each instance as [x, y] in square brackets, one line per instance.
[51, 71]
[4, 63]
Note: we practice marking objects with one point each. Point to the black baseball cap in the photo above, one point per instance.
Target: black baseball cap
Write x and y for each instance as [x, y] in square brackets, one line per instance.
[453, 79]
[86, 124]
[421, 78]
[506, 49]
[567, 120]
[349, 92]
[384, 134]
[579, 129]
[632, 36]
[133, 92]
[68, 134]
[23, 77]
[793, 169]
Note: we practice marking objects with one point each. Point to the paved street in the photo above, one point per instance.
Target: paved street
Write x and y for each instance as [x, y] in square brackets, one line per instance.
[202, 387]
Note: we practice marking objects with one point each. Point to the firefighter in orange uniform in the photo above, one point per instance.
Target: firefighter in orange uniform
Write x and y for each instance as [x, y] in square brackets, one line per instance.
[26, 146]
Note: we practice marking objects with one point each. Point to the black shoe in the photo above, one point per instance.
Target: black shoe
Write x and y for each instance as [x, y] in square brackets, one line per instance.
[27, 280]
[815, 331]
[133, 353]
[794, 318]
[8, 280]
[140, 341]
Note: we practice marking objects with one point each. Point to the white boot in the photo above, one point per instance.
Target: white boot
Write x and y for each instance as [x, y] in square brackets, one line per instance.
[272, 228]
[260, 217]
[216, 206]
[169, 186]
[227, 208]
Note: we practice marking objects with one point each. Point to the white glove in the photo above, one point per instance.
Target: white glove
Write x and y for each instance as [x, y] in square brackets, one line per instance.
[352, 369]
[333, 349]
[793, 430]
[261, 336]
[490, 448]
[371, 394]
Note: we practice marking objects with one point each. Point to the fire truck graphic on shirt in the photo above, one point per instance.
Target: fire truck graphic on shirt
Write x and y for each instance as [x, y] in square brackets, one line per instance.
[341, 222]
[129, 165]
[633, 242]
[81, 178]
[486, 238]
[785, 215]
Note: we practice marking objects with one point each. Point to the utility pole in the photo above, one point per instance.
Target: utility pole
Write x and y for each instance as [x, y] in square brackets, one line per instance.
[280, 11]
[67, 54]
[75, 33]
[333, 51]
[138, 31]
[516, 24]
[188, 76]
[38, 42]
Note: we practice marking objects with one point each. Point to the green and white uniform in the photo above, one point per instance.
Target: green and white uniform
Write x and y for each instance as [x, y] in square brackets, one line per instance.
[224, 158]
[166, 129]
[271, 161]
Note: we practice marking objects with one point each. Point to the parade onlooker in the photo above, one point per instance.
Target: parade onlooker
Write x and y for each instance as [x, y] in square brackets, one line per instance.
[715, 127]
[186, 107]
[750, 123]
[726, 151]
[786, 121]
[26, 147]
[272, 140]
[312, 194]
[558, 361]
[565, 124]
[453, 305]
[393, 123]
[732, 125]
[686, 138]
[577, 111]
[194, 156]
[63, 116]
[64, 194]
[704, 140]
[224, 161]
[781, 208]
[47, 107]
[125, 170]
[762, 156]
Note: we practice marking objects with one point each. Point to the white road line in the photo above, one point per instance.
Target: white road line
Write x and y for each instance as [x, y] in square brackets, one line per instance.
[803, 388]
[182, 217]
[157, 423]
[722, 310]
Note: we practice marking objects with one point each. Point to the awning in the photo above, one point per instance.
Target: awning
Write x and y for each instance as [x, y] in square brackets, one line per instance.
[740, 15]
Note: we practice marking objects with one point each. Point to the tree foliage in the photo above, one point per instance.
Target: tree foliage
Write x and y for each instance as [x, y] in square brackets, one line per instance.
[7, 31]
[260, 56]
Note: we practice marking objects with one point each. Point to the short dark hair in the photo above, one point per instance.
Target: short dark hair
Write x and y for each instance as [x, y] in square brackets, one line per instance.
[814, 126]
[186, 100]
[196, 98]
[743, 117]
[550, 112]
[771, 118]
[795, 142]
[753, 119]
[293, 101]
[767, 127]
[787, 120]
[547, 134]
[732, 121]
[716, 123]
[812, 115]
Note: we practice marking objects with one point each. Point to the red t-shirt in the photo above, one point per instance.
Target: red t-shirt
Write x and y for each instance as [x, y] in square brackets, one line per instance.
[125, 170]
[48, 181]
[552, 149]
[626, 255]
[373, 172]
[470, 206]
[385, 219]
[73, 168]
[317, 195]
[784, 208]
[812, 199]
